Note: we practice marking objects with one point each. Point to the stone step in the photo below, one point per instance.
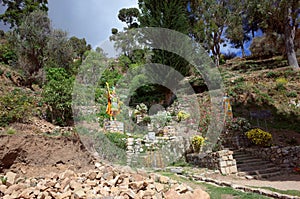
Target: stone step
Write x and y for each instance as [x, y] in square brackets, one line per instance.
[259, 176]
[249, 160]
[260, 171]
[254, 167]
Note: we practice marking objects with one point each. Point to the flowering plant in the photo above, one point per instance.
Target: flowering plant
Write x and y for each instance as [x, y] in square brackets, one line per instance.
[197, 142]
[259, 137]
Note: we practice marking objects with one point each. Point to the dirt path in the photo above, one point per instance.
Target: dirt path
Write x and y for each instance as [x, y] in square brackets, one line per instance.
[284, 182]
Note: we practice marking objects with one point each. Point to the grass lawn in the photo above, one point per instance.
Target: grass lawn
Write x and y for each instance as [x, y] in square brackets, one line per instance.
[215, 192]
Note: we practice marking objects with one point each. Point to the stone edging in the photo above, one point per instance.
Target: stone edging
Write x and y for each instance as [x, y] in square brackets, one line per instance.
[241, 187]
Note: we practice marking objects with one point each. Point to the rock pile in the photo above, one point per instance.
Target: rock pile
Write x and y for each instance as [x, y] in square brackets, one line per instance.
[105, 181]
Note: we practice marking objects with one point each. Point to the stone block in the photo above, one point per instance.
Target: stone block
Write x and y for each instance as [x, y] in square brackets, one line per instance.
[222, 164]
[233, 169]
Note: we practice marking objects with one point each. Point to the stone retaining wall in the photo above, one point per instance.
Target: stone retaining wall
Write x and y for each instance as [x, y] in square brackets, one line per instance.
[162, 150]
[221, 160]
[114, 126]
[286, 157]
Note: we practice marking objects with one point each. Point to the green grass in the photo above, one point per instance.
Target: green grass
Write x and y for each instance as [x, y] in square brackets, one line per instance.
[287, 192]
[215, 192]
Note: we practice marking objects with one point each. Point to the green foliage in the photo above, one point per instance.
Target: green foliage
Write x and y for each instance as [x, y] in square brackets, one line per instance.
[8, 74]
[272, 74]
[7, 53]
[197, 142]
[161, 119]
[79, 46]
[11, 131]
[110, 76]
[3, 179]
[280, 83]
[30, 41]
[238, 124]
[58, 50]
[147, 120]
[15, 106]
[292, 94]
[140, 109]
[1, 71]
[17, 10]
[129, 16]
[259, 137]
[119, 139]
[57, 94]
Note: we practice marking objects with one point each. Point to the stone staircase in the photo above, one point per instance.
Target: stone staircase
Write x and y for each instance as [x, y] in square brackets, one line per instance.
[253, 167]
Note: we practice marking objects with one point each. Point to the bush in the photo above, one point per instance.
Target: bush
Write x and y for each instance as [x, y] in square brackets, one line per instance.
[119, 139]
[182, 115]
[197, 142]
[272, 74]
[15, 106]
[238, 124]
[259, 137]
[57, 94]
[280, 83]
[291, 94]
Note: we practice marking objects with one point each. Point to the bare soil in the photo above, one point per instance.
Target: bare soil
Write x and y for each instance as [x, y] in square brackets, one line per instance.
[37, 155]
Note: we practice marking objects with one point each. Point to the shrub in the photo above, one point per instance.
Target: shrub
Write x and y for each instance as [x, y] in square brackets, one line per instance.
[272, 74]
[119, 139]
[280, 83]
[239, 124]
[11, 131]
[15, 106]
[57, 94]
[197, 142]
[292, 94]
[259, 137]
[182, 116]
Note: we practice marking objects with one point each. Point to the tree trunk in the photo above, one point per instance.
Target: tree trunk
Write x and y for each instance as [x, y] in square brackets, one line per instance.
[289, 33]
[243, 50]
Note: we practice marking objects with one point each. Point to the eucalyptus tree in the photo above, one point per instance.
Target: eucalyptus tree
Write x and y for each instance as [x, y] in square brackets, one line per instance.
[279, 16]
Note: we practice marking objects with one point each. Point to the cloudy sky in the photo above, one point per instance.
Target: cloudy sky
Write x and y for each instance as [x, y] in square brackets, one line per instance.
[89, 19]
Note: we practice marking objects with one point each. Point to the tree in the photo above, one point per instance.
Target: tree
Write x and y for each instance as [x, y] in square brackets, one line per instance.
[18, 9]
[129, 16]
[30, 41]
[237, 32]
[282, 17]
[59, 53]
[210, 20]
[79, 46]
[57, 94]
[166, 14]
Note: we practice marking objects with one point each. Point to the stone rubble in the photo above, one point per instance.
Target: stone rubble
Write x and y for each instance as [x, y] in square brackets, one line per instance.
[105, 181]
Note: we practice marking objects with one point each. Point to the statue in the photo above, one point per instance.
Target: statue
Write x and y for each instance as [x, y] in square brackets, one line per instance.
[113, 103]
[227, 107]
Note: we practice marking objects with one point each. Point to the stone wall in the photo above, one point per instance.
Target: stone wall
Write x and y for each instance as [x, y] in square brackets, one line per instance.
[114, 126]
[157, 152]
[221, 160]
[286, 157]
